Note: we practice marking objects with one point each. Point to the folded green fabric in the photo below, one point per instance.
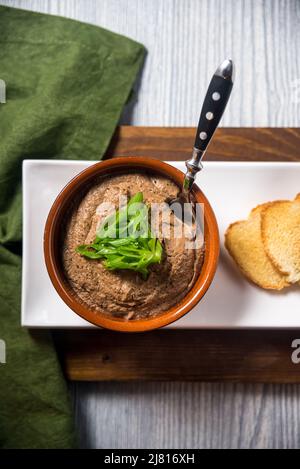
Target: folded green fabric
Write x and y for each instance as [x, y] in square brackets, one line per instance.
[66, 85]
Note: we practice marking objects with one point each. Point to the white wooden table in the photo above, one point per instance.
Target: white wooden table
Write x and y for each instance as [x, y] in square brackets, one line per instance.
[186, 39]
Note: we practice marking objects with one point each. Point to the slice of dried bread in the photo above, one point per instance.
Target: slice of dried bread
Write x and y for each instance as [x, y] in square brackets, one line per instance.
[281, 236]
[244, 242]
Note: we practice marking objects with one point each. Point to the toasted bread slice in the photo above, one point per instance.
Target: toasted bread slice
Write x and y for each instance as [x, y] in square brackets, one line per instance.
[281, 236]
[244, 242]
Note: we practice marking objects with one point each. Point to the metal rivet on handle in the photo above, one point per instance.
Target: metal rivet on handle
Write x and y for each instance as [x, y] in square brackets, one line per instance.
[216, 96]
[203, 135]
[209, 116]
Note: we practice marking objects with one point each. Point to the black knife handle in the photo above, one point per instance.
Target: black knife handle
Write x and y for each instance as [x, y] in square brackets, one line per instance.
[213, 108]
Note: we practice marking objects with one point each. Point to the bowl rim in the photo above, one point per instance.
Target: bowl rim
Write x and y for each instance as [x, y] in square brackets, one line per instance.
[202, 282]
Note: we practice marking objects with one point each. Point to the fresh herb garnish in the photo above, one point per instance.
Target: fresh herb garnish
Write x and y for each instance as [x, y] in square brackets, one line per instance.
[125, 241]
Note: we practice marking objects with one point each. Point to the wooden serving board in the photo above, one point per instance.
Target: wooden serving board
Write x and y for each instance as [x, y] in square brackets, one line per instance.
[262, 356]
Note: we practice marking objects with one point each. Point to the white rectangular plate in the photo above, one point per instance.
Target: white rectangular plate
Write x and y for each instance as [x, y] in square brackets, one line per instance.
[233, 189]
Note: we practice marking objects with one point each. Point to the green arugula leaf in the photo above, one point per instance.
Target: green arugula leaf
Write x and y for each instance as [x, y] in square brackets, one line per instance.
[125, 241]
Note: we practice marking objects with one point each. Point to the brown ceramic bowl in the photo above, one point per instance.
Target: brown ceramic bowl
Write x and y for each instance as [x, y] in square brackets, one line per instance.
[52, 238]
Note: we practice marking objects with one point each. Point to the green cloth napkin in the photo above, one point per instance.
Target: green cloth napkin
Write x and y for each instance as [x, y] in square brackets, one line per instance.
[66, 85]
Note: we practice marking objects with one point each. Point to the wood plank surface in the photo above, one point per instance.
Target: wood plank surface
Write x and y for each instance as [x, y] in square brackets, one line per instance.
[230, 144]
[183, 415]
[180, 355]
